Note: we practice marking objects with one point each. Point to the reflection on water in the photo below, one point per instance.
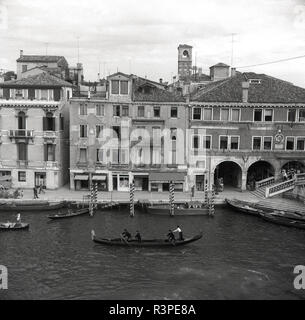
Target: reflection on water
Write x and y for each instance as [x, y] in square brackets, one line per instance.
[239, 257]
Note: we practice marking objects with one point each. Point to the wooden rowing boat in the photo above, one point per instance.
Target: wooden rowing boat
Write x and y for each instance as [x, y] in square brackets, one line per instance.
[31, 205]
[69, 214]
[192, 209]
[283, 220]
[243, 206]
[13, 226]
[144, 242]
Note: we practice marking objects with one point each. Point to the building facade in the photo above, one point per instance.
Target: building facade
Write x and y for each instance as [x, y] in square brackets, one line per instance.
[246, 128]
[34, 124]
[131, 135]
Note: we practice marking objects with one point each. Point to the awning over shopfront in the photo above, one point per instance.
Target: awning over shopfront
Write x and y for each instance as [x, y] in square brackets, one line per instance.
[167, 176]
[99, 178]
[81, 177]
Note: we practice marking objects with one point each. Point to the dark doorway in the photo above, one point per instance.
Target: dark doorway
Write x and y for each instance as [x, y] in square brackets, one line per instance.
[297, 166]
[230, 174]
[258, 171]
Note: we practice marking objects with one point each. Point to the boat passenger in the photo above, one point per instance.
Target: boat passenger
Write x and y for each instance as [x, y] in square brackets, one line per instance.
[138, 236]
[126, 235]
[180, 233]
[171, 236]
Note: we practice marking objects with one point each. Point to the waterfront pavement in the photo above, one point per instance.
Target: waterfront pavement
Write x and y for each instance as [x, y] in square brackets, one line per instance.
[66, 194]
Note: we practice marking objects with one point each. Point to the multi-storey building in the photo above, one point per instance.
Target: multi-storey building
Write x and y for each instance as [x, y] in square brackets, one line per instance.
[30, 65]
[123, 137]
[246, 128]
[34, 124]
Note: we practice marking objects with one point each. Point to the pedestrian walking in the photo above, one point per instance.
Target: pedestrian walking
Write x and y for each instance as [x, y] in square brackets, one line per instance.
[35, 193]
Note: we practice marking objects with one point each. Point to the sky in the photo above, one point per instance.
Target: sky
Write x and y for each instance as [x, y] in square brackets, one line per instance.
[142, 36]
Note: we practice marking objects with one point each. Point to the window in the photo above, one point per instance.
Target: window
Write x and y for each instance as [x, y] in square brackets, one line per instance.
[235, 115]
[156, 156]
[267, 143]
[197, 114]
[21, 120]
[174, 112]
[207, 114]
[124, 87]
[157, 112]
[206, 142]
[124, 156]
[99, 155]
[140, 111]
[82, 155]
[268, 115]
[301, 144]
[257, 142]
[83, 131]
[258, 115]
[115, 156]
[22, 151]
[195, 142]
[99, 130]
[125, 111]
[224, 114]
[48, 122]
[61, 122]
[302, 115]
[18, 93]
[22, 176]
[83, 109]
[116, 111]
[223, 142]
[43, 94]
[292, 115]
[115, 86]
[290, 143]
[50, 152]
[99, 110]
[234, 143]
[24, 68]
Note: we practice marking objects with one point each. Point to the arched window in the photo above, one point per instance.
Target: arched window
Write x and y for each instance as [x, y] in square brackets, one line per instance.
[21, 120]
[49, 122]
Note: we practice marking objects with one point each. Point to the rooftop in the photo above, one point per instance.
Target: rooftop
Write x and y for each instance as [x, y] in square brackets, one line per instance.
[268, 90]
[39, 58]
[40, 80]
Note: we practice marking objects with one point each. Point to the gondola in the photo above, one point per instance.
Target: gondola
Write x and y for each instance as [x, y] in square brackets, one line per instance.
[243, 206]
[159, 243]
[283, 220]
[191, 209]
[11, 226]
[69, 214]
[31, 205]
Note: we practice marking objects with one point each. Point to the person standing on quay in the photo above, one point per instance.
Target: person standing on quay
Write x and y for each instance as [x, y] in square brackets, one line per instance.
[35, 193]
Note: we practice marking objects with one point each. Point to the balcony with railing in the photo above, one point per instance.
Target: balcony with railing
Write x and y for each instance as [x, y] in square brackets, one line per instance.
[21, 134]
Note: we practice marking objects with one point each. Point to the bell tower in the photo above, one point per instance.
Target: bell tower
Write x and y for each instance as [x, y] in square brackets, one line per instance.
[184, 61]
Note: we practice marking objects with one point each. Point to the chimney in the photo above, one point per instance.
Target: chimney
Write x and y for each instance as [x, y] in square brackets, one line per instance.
[160, 80]
[21, 53]
[233, 72]
[245, 86]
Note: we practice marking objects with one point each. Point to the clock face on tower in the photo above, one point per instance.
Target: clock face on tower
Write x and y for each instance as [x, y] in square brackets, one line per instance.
[185, 54]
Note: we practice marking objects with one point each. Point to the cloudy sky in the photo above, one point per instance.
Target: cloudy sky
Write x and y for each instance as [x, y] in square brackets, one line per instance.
[142, 36]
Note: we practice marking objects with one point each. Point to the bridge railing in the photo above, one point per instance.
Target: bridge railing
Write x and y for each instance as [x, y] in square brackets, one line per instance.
[264, 183]
[280, 188]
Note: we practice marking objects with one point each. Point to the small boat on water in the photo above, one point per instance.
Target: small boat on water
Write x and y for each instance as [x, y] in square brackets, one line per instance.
[283, 219]
[30, 205]
[69, 214]
[184, 209]
[161, 243]
[11, 226]
[243, 206]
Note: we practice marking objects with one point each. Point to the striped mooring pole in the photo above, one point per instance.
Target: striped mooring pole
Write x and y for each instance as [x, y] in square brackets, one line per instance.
[91, 206]
[131, 199]
[206, 198]
[211, 203]
[95, 195]
[172, 198]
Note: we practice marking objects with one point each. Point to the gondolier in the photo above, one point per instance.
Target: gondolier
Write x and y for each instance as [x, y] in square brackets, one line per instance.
[178, 229]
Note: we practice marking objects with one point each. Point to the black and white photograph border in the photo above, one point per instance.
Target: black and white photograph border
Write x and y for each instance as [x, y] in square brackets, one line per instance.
[152, 151]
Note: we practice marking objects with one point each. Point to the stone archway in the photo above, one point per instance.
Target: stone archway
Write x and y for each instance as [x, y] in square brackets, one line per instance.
[258, 171]
[297, 166]
[230, 173]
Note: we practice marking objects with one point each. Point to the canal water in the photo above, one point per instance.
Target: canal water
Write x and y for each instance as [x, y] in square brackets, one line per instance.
[239, 257]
